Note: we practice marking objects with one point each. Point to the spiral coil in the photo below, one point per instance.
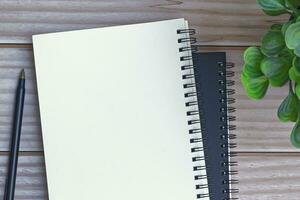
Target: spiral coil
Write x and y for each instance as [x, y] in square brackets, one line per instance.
[197, 149]
[226, 111]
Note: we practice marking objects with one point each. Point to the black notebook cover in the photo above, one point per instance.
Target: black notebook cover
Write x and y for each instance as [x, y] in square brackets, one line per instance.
[212, 79]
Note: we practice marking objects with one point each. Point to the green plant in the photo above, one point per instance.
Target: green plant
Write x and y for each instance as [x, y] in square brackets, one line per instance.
[277, 62]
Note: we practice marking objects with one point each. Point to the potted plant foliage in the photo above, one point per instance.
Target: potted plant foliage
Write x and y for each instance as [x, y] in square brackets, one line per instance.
[277, 62]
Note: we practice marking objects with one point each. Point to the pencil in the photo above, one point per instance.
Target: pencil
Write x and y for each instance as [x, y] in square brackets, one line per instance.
[15, 139]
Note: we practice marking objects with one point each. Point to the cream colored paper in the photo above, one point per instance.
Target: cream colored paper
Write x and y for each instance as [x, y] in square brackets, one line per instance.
[113, 113]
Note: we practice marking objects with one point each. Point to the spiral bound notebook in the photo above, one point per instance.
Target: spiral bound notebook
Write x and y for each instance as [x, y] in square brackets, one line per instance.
[212, 74]
[119, 113]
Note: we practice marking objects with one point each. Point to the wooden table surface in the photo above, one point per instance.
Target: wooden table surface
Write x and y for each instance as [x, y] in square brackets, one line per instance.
[269, 167]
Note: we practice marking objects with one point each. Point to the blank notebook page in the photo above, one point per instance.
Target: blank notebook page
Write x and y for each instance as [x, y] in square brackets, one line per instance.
[113, 113]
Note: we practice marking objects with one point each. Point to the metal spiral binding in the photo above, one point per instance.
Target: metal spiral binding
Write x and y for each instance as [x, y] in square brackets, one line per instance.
[194, 111]
[225, 119]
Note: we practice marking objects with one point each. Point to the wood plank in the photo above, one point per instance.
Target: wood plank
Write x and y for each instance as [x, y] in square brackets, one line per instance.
[11, 62]
[261, 176]
[31, 178]
[269, 176]
[218, 22]
[258, 128]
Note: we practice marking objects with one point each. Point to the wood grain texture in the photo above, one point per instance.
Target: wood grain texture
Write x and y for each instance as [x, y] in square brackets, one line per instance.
[218, 22]
[269, 176]
[31, 178]
[258, 128]
[11, 62]
[263, 177]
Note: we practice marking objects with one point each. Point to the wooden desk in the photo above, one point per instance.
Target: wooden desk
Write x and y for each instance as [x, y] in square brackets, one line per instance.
[269, 167]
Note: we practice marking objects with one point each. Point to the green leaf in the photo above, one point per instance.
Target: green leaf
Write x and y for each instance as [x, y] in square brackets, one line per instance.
[272, 43]
[256, 88]
[276, 27]
[288, 109]
[276, 70]
[287, 54]
[252, 72]
[286, 25]
[296, 64]
[295, 135]
[297, 90]
[297, 51]
[292, 36]
[253, 56]
[292, 4]
[273, 7]
[274, 13]
[294, 75]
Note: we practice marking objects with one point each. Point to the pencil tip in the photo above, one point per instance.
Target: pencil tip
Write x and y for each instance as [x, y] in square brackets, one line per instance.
[22, 75]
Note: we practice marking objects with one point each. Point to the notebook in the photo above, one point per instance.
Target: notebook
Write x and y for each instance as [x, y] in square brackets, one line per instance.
[212, 75]
[119, 113]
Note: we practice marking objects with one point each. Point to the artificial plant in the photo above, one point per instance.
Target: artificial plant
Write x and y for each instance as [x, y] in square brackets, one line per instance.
[277, 62]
